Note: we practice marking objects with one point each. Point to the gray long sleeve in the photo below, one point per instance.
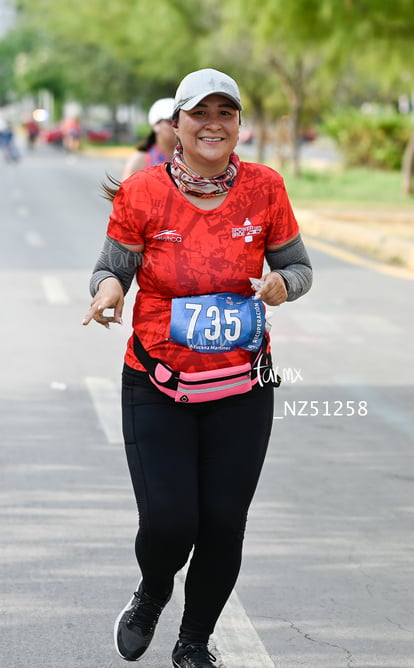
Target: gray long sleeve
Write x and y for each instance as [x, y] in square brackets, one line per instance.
[115, 261]
[293, 264]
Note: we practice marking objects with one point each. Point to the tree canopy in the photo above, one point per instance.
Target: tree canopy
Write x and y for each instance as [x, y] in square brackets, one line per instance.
[295, 58]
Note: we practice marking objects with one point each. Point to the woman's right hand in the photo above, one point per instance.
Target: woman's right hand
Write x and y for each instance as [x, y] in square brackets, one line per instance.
[109, 295]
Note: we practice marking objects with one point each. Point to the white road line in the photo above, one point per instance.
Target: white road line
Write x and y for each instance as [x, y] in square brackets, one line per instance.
[54, 290]
[34, 239]
[237, 639]
[106, 399]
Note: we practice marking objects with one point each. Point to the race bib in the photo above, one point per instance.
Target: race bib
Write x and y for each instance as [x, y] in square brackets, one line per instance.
[218, 323]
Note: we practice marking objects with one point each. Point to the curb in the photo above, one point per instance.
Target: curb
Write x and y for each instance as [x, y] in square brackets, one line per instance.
[116, 152]
[393, 250]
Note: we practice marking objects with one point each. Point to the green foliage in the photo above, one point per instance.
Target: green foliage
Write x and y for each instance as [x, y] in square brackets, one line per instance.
[369, 139]
[7, 55]
[11, 48]
[142, 130]
[290, 58]
[155, 41]
[372, 188]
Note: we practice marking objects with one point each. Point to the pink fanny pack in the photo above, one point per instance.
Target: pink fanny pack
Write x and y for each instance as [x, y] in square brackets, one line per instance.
[201, 386]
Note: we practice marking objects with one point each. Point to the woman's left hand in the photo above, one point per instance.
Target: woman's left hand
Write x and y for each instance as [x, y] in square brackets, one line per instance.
[274, 290]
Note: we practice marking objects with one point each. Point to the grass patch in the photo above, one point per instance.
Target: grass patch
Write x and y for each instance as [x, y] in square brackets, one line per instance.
[356, 186]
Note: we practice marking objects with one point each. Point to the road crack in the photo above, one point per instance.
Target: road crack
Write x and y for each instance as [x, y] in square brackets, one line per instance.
[400, 626]
[307, 636]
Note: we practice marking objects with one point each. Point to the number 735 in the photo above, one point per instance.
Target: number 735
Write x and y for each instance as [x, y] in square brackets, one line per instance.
[223, 322]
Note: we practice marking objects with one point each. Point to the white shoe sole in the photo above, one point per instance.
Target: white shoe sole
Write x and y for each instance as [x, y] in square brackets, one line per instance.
[116, 625]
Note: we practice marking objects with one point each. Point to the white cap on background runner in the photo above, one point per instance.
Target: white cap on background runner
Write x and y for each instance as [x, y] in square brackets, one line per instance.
[161, 110]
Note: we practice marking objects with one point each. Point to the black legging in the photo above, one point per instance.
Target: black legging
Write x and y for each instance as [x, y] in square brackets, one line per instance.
[194, 469]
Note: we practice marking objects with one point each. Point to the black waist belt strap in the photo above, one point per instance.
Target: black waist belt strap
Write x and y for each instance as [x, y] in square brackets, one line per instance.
[151, 363]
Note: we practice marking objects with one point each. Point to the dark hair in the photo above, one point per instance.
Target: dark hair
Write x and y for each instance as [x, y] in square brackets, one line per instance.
[144, 145]
[147, 143]
[109, 192]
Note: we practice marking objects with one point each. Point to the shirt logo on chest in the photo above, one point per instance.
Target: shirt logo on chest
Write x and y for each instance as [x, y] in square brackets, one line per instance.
[168, 235]
[247, 231]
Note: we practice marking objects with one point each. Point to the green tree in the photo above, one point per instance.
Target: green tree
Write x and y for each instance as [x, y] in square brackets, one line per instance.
[9, 48]
[282, 69]
[153, 41]
[372, 40]
[296, 58]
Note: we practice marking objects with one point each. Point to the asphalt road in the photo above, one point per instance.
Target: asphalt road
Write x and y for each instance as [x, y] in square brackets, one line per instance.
[327, 577]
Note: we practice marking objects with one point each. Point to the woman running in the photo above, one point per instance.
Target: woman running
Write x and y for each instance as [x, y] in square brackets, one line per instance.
[197, 384]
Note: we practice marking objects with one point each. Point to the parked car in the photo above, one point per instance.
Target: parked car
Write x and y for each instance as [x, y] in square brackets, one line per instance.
[53, 136]
[98, 135]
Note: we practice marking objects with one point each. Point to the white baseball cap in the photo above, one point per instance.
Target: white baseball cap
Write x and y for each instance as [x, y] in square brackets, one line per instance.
[161, 110]
[197, 85]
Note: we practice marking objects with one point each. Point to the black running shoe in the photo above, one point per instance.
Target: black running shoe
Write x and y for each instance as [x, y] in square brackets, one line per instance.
[192, 655]
[135, 625]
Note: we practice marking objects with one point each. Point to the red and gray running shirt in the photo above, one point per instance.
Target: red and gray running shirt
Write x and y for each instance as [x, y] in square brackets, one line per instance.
[189, 251]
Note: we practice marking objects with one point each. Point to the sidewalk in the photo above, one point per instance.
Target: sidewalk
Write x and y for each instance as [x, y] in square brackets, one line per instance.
[384, 235]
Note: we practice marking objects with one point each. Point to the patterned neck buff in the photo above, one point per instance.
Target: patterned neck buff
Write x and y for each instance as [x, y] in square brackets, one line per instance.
[192, 183]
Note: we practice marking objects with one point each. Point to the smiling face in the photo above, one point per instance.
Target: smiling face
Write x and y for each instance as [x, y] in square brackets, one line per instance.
[208, 134]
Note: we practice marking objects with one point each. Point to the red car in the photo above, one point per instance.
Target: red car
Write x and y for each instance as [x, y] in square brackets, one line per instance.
[52, 136]
[98, 135]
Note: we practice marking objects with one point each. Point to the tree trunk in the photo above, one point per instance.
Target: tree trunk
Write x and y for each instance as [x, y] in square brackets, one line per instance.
[408, 167]
[114, 123]
[296, 114]
[261, 140]
[294, 87]
[260, 130]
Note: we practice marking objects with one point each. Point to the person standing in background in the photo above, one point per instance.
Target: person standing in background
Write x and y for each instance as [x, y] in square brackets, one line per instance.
[32, 131]
[7, 142]
[71, 130]
[159, 145]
